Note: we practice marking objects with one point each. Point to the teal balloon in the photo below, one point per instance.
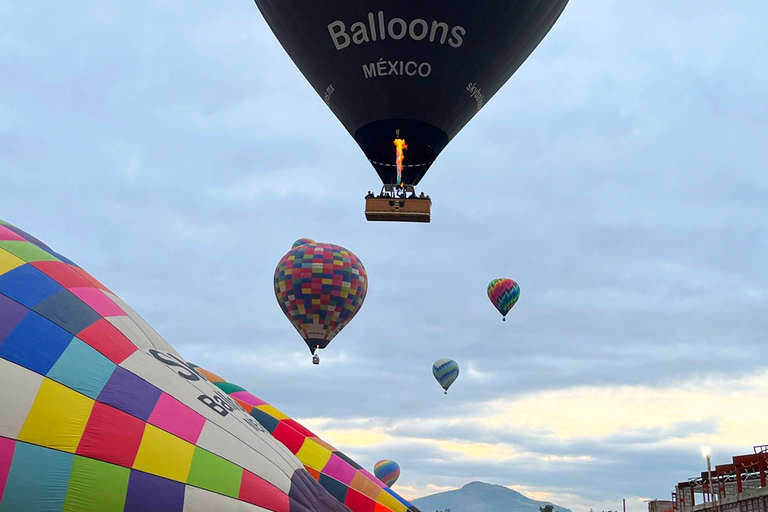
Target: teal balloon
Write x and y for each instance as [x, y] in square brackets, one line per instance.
[445, 371]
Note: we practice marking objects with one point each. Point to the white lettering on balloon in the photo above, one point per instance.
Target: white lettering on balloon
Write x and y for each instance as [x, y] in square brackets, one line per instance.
[475, 93]
[396, 28]
[328, 93]
[397, 68]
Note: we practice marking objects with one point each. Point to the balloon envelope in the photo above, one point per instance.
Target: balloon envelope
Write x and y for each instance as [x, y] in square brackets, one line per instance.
[302, 241]
[445, 371]
[98, 412]
[403, 69]
[503, 293]
[388, 471]
[345, 479]
[320, 288]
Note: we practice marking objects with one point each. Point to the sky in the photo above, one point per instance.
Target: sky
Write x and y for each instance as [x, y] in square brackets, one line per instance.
[173, 150]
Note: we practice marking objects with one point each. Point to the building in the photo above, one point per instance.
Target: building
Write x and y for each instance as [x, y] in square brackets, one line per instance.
[661, 506]
[736, 487]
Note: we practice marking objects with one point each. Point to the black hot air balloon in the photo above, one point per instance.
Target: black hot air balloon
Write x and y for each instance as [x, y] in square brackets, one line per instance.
[404, 69]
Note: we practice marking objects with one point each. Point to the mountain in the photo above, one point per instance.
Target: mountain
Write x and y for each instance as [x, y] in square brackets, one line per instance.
[481, 497]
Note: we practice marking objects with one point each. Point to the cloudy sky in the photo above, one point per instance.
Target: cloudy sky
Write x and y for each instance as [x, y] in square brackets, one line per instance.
[172, 149]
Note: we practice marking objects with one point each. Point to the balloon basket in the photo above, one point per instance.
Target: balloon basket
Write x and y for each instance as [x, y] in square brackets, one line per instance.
[445, 392]
[398, 204]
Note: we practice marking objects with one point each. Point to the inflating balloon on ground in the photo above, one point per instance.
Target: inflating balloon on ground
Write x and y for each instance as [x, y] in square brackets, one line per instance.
[341, 476]
[99, 413]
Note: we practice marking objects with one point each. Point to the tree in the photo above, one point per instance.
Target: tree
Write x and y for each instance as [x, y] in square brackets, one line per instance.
[547, 508]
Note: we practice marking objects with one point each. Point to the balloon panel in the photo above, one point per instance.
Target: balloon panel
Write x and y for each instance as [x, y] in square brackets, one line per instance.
[504, 294]
[320, 287]
[100, 413]
[388, 471]
[302, 241]
[342, 477]
[445, 371]
[425, 68]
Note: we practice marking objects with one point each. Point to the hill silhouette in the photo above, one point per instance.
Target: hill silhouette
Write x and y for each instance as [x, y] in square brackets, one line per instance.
[482, 497]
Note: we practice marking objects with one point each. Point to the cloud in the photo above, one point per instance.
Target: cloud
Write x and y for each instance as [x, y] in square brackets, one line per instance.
[176, 153]
[582, 429]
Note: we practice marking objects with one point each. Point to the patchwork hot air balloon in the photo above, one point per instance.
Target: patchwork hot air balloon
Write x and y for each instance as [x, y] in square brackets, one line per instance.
[99, 413]
[302, 241]
[413, 71]
[445, 371]
[320, 287]
[388, 471]
[503, 293]
[342, 477]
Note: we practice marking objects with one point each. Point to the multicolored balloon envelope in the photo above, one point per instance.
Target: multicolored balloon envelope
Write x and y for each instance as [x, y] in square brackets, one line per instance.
[416, 71]
[503, 293]
[320, 288]
[446, 371]
[341, 476]
[302, 241]
[388, 471]
[99, 413]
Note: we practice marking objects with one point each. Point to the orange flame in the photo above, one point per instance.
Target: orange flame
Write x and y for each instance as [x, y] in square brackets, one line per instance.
[401, 146]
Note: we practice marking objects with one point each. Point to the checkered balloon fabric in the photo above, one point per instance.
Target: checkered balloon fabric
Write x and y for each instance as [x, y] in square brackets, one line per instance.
[99, 413]
[341, 476]
[320, 287]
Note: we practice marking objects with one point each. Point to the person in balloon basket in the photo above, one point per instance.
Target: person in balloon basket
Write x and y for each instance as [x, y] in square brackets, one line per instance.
[316, 356]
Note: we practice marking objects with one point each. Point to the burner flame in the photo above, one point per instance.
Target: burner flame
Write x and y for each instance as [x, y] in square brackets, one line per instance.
[400, 146]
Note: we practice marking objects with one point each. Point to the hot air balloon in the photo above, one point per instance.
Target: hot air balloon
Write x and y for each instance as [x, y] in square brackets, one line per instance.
[341, 476]
[445, 371]
[405, 77]
[503, 293]
[302, 241]
[388, 471]
[98, 412]
[320, 288]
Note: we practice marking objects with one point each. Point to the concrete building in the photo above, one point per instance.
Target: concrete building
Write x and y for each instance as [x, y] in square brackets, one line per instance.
[736, 487]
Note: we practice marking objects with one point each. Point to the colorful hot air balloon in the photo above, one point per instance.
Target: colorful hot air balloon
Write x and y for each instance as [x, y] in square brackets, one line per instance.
[302, 241]
[388, 471]
[98, 412]
[342, 477]
[320, 287]
[445, 371]
[413, 71]
[503, 293]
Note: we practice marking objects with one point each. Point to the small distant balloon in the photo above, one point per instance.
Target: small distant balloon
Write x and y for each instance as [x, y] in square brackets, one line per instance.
[388, 471]
[503, 293]
[445, 371]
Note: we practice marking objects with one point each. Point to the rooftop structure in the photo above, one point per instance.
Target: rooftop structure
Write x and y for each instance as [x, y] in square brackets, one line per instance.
[736, 487]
